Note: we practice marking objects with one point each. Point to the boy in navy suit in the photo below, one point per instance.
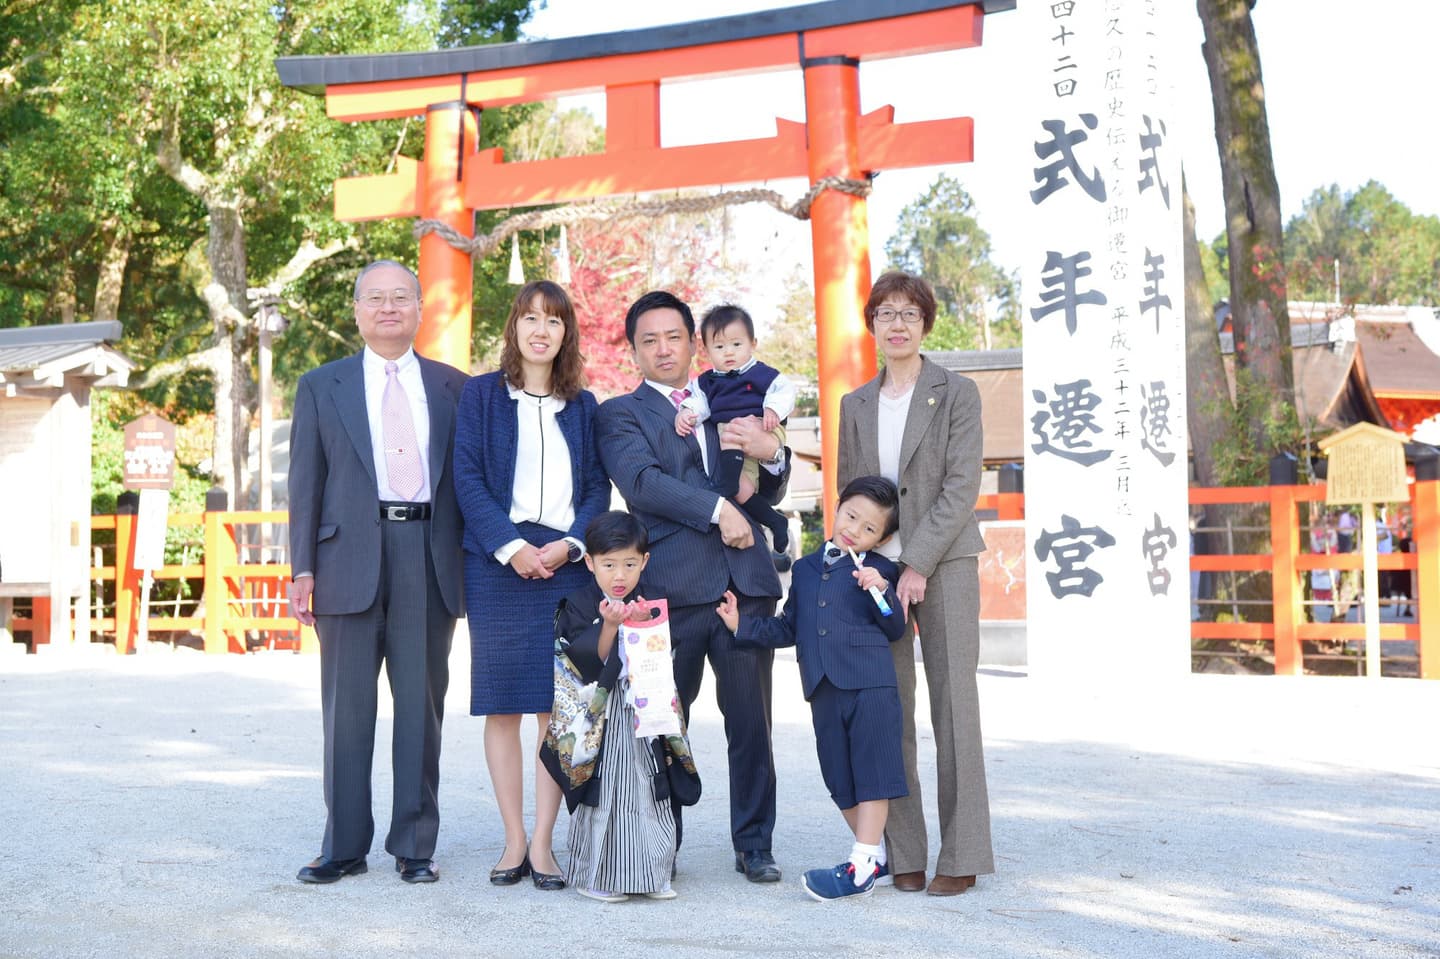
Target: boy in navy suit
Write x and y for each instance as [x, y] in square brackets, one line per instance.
[842, 615]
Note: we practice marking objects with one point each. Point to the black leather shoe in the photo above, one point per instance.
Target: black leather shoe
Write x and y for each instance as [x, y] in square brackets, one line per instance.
[416, 870]
[324, 870]
[509, 877]
[757, 865]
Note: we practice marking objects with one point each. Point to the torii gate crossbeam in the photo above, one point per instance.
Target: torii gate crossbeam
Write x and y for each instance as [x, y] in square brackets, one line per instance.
[826, 41]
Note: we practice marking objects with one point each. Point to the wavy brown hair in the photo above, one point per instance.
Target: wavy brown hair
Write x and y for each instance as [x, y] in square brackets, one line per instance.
[567, 372]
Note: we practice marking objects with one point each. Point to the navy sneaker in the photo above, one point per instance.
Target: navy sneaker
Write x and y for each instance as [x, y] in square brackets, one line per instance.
[824, 885]
[882, 874]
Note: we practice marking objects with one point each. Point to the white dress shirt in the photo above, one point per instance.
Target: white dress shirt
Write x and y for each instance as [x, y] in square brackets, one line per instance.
[408, 373]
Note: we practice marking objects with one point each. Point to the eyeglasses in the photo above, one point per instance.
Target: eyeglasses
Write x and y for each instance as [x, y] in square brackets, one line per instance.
[909, 317]
[376, 298]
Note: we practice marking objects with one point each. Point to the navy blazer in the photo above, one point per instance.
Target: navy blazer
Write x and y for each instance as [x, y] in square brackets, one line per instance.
[663, 480]
[486, 448]
[836, 628]
[334, 494]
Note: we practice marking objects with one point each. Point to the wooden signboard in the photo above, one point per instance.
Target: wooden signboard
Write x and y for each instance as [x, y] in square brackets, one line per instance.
[149, 453]
[1366, 465]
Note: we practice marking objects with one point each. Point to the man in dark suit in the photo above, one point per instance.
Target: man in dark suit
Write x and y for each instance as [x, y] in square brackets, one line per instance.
[701, 545]
[375, 548]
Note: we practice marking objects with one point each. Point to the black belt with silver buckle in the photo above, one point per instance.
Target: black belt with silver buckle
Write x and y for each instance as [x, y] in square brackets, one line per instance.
[404, 512]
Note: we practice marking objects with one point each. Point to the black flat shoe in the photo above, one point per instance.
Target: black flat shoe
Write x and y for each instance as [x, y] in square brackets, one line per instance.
[547, 881]
[416, 870]
[509, 877]
[324, 870]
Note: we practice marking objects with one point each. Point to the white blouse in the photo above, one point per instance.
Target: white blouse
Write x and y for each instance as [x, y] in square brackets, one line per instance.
[544, 491]
[892, 416]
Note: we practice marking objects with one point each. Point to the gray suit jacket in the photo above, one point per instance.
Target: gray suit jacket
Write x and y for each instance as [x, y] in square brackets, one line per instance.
[663, 480]
[334, 494]
[940, 462]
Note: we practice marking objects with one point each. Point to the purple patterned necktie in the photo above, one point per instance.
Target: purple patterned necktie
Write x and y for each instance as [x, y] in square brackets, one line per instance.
[679, 396]
[397, 427]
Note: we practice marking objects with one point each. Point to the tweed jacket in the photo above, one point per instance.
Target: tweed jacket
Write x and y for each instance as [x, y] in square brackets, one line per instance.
[940, 462]
[486, 446]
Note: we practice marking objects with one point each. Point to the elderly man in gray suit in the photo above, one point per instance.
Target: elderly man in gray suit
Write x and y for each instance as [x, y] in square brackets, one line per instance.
[375, 548]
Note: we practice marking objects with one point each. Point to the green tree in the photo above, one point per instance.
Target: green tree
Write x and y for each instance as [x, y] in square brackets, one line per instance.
[1366, 243]
[939, 238]
[164, 158]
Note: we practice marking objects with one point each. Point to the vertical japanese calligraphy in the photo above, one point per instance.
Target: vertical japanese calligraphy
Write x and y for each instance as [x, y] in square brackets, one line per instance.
[1104, 365]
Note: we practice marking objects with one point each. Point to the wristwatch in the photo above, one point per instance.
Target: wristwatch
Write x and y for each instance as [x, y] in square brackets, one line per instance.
[576, 552]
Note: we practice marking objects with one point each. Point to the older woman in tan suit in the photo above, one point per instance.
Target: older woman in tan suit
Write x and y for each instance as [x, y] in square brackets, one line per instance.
[919, 425]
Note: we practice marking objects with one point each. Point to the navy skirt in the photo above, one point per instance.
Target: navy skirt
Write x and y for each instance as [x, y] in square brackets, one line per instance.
[512, 629]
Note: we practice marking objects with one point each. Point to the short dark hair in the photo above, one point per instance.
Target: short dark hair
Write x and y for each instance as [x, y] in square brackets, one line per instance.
[907, 286]
[615, 530]
[657, 300]
[878, 490]
[717, 318]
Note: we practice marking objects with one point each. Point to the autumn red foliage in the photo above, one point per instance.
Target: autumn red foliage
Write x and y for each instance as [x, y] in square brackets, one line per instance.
[612, 265]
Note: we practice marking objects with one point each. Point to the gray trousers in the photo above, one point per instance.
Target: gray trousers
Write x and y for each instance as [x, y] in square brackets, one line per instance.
[409, 630]
[949, 623]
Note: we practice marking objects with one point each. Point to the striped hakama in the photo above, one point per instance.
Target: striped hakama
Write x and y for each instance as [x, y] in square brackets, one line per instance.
[627, 842]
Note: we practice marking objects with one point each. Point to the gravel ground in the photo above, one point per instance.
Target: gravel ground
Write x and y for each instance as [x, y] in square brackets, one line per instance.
[160, 804]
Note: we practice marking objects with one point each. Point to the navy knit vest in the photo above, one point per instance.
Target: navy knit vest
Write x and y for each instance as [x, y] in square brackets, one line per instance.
[731, 397]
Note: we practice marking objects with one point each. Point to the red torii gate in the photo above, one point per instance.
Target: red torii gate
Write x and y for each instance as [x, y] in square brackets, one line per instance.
[827, 41]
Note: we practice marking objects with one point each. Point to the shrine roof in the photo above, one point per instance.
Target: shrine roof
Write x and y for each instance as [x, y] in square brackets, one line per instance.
[1397, 359]
[312, 74]
[28, 347]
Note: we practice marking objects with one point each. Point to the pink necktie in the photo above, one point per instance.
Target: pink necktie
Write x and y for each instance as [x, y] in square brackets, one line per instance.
[402, 454]
[679, 396]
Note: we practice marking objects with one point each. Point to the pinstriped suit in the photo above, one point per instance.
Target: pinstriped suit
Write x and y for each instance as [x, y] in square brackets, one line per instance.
[846, 671]
[383, 591]
[940, 462]
[835, 627]
[664, 483]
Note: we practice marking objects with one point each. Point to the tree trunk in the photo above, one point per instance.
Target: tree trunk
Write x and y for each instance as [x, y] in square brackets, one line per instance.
[1261, 320]
[234, 387]
[64, 296]
[112, 270]
[1209, 405]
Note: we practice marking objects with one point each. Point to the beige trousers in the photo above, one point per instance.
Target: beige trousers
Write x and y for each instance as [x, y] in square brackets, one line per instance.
[949, 626]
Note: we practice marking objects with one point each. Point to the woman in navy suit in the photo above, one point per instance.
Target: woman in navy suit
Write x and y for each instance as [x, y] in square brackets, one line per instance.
[528, 479]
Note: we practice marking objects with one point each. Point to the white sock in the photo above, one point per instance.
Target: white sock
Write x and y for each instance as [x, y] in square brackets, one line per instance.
[880, 857]
[864, 858]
